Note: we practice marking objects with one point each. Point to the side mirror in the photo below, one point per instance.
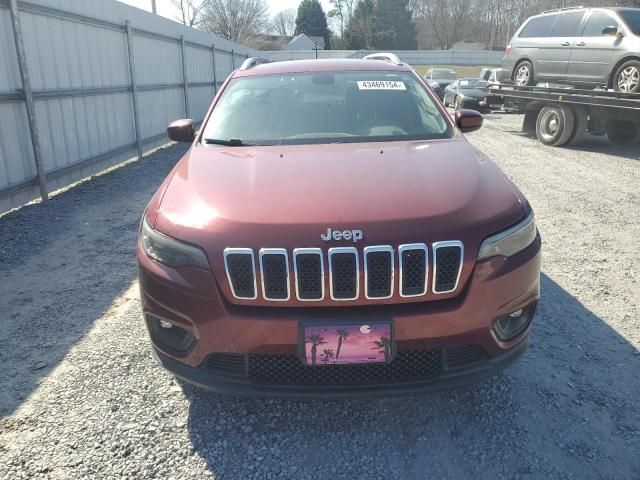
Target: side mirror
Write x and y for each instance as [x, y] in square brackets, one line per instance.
[610, 31]
[182, 130]
[468, 120]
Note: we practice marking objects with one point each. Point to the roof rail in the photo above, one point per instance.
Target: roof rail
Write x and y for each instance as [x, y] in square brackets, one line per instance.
[385, 57]
[563, 9]
[253, 62]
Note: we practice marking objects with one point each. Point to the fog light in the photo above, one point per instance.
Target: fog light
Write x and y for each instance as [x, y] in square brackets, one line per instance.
[168, 335]
[510, 326]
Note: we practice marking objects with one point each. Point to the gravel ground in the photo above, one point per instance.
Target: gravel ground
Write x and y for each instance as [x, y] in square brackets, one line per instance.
[81, 396]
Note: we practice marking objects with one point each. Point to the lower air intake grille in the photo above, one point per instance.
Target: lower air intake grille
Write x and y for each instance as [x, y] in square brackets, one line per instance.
[412, 365]
[241, 272]
[448, 263]
[464, 356]
[226, 363]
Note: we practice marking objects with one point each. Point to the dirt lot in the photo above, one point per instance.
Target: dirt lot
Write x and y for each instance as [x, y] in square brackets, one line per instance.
[81, 396]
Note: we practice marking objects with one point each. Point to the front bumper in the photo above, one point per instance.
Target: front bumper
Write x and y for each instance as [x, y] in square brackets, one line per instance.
[450, 378]
[190, 298]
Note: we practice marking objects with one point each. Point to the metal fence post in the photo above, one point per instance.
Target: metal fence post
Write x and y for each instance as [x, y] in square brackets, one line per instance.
[134, 89]
[233, 60]
[28, 100]
[184, 77]
[213, 59]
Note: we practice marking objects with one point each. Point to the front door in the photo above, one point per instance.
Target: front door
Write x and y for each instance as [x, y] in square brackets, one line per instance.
[593, 53]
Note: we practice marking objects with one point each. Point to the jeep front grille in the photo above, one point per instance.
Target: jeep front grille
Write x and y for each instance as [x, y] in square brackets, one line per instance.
[379, 265]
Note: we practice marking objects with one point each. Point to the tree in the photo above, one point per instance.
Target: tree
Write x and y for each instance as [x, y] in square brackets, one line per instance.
[235, 20]
[311, 20]
[190, 11]
[342, 334]
[342, 11]
[392, 26]
[315, 340]
[359, 32]
[383, 346]
[327, 355]
[284, 22]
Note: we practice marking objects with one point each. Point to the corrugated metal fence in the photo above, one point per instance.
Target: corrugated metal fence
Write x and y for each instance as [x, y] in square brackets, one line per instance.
[413, 57]
[105, 80]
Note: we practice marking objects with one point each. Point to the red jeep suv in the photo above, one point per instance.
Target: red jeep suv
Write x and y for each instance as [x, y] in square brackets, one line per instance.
[331, 233]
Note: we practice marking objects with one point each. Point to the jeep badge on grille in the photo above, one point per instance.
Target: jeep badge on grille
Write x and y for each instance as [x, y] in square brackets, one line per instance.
[354, 235]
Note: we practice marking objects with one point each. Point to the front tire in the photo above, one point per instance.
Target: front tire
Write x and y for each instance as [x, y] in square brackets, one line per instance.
[555, 125]
[523, 74]
[627, 77]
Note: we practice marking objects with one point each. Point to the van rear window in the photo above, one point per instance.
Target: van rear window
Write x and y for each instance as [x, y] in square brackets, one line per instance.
[632, 19]
[538, 27]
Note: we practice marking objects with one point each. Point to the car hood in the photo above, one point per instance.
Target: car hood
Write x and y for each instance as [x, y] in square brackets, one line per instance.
[286, 196]
[473, 92]
[443, 83]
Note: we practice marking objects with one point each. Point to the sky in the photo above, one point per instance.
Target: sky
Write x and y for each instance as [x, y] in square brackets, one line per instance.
[166, 8]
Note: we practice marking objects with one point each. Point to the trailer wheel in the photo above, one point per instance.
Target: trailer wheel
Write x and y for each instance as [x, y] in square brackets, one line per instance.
[581, 125]
[555, 125]
[622, 132]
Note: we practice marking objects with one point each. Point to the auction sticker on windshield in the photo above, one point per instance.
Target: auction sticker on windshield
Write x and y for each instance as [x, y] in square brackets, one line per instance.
[381, 85]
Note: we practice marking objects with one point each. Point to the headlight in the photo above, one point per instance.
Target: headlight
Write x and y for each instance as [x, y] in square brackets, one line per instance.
[169, 251]
[434, 85]
[511, 241]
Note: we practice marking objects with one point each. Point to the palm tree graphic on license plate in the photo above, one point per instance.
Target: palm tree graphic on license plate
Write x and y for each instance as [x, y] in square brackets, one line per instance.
[345, 344]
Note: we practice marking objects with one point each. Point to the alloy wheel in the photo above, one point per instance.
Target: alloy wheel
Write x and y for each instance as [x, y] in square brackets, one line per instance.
[522, 76]
[629, 79]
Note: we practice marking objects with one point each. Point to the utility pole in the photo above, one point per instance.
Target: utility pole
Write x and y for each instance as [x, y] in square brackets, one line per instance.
[153, 7]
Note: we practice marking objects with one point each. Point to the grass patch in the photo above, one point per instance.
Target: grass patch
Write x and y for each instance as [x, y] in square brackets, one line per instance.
[462, 71]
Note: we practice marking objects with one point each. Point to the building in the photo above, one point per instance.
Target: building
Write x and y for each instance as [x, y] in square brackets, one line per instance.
[305, 42]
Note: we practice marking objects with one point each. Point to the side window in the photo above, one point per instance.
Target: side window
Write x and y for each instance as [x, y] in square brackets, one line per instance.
[597, 21]
[538, 27]
[567, 25]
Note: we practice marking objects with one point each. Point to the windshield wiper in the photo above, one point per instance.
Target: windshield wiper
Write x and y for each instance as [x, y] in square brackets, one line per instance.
[232, 142]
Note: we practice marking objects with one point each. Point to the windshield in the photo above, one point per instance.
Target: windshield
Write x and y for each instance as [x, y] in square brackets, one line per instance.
[325, 107]
[632, 19]
[443, 75]
[473, 83]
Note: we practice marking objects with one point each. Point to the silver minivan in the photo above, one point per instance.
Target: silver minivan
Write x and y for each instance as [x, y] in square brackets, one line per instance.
[579, 46]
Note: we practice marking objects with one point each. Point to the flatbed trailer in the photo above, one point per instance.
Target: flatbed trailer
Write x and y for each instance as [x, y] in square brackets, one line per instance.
[560, 116]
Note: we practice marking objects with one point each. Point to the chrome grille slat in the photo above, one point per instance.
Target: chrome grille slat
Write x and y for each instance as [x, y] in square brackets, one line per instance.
[379, 271]
[447, 260]
[342, 261]
[274, 274]
[309, 285]
[413, 260]
[240, 274]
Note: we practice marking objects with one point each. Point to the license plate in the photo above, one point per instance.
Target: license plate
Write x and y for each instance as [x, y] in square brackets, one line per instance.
[344, 344]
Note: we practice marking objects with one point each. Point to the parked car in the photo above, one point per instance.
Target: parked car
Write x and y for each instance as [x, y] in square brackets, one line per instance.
[579, 46]
[491, 75]
[330, 232]
[468, 93]
[440, 78]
